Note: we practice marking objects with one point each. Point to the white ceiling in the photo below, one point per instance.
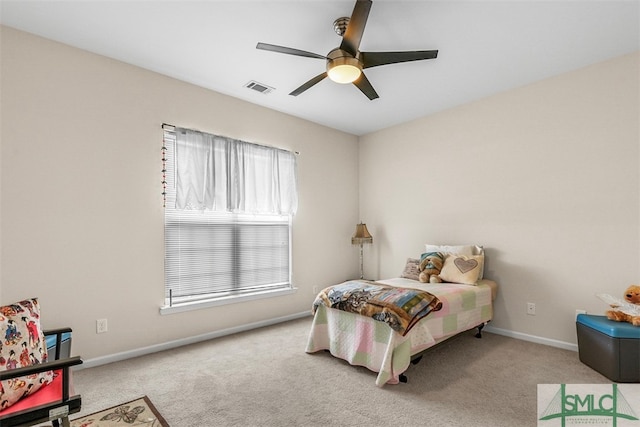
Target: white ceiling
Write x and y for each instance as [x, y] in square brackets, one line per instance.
[485, 47]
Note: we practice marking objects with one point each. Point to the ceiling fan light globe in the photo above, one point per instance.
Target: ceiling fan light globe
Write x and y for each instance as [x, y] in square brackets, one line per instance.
[343, 68]
[344, 73]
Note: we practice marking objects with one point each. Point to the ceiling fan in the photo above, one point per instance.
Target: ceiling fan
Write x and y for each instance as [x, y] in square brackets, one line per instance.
[346, 62]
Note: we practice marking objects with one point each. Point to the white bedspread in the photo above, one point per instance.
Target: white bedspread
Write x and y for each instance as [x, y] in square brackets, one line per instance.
[366, 342]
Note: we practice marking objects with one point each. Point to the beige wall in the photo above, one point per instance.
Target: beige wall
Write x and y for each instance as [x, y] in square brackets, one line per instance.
[545, 177]
[81, 210]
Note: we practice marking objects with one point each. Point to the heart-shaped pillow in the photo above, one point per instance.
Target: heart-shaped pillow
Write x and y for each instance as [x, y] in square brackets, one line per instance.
[463, 269]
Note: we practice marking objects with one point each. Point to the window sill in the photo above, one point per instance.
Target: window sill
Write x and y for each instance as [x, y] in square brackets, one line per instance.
[199, 305]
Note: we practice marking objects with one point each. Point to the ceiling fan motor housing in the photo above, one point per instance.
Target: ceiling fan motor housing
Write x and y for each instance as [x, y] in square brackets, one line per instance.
[342, 67]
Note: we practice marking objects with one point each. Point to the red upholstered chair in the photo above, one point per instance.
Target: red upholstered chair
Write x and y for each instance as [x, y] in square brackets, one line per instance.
[50, 402]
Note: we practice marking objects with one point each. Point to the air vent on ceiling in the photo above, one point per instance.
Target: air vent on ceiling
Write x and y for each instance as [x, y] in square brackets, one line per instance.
[259, 87]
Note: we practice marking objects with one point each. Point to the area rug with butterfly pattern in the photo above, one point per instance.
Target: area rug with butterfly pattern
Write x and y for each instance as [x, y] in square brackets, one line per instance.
[139, 412]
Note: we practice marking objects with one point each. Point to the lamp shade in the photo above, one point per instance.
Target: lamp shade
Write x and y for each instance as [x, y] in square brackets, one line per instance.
[361, 235]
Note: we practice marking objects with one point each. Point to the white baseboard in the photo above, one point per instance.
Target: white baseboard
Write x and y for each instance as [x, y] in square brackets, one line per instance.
[532, 338]
[103, 360]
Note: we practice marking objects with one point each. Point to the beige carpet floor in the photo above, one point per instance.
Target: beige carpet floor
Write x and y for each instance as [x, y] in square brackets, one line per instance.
[264, 378]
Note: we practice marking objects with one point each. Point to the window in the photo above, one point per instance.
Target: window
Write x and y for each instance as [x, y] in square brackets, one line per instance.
[229, 246]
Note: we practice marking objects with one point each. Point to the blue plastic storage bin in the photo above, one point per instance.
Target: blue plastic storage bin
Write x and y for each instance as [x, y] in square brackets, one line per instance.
[611, 348]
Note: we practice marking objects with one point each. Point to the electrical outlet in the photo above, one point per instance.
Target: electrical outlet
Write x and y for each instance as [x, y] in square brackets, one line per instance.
[579, 311]
[101, 326]
[531, 308]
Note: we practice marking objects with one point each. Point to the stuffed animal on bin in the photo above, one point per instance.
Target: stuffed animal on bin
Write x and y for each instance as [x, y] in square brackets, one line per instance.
[430, 267]
[627, 310]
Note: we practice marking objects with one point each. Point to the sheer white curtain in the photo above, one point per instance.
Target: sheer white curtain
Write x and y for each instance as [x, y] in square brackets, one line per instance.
[223, 174]
[228, 218]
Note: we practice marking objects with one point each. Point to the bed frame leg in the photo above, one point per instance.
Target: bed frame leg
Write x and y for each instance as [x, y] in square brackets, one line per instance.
[403, 378]
[479, 334]
[416, 360]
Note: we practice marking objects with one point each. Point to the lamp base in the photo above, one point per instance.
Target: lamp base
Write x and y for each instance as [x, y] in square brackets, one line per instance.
[361, 262]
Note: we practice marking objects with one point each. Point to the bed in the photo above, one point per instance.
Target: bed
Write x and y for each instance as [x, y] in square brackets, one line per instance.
[363, 341]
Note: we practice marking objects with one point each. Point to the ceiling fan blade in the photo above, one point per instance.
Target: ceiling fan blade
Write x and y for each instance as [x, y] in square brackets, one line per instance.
[374, 59]
[307, 85]
[365, 86]
[288, 50]
[355, 27]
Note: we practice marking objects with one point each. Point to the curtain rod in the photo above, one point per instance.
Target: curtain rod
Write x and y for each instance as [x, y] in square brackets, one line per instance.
[172, 128]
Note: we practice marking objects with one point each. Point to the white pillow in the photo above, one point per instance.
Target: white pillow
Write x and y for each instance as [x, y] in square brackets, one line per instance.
[466, 250]
[455, 249]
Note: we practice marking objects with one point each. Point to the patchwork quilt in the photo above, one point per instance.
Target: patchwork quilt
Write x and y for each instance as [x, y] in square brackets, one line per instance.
[363, 341]
[400, 308]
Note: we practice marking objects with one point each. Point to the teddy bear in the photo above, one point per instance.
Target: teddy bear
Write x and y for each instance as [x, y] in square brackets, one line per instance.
[430, 267]
[627, 310]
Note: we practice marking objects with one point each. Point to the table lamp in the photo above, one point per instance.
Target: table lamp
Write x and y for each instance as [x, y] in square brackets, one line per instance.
[361, 237]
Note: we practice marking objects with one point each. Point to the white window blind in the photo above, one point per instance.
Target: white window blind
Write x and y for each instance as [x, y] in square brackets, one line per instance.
[211, 254]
